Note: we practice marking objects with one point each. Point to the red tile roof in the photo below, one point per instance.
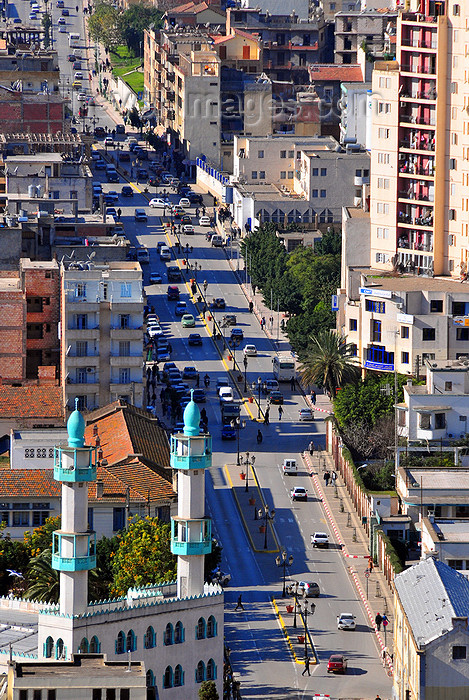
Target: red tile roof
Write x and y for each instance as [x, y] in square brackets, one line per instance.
[32, 402]
[193, 8]
[217, 39]
[343, 72]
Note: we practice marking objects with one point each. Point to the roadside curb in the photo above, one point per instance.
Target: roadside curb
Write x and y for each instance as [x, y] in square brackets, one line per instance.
[287, 637]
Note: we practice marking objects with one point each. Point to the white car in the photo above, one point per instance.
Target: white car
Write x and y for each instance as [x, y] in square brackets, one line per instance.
[226, 394]
[188, 228]
[81, 97]
[305, 414]
[79, 75]
[346, 621]
[61, 20]
[250, 350]
[204, 221]
[154, 331]
[184, 202]
[320, 539]
[157, 202]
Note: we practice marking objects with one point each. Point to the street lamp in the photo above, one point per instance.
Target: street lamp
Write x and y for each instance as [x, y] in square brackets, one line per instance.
[282, 560]
[259, 385]
[294, 591]
[238, 424]
[245, 363]
[266, 514]
[305, 610]
[247, 462]
[232, 345]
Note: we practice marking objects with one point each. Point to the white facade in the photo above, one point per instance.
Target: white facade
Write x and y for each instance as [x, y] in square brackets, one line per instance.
[446, 539]
[355, 118]
[33, 449]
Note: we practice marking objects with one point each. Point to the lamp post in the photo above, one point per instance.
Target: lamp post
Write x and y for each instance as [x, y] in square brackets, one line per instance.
[259, 385]
[245, 363]
[305, 610]
[266, 514]
[232, 345]
[295, 595]
[284, 562]
[247, 462]
[238, 424]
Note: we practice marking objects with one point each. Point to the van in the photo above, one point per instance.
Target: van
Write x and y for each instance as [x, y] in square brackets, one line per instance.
[142, 255]
[217, 241]
[290, 466]
[165, 253]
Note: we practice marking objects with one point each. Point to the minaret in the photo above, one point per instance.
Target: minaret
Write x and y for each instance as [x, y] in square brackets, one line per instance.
[74, 545]
[191, 531]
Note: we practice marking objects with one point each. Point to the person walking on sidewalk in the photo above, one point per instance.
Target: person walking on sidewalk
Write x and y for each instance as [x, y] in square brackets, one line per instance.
[267, 416]
[306, 668]
[378, 621]
[280, 413]
[313, 398]
[333, 478]
[326, 478]
[311, 448]
[292, 383]
[239, 605]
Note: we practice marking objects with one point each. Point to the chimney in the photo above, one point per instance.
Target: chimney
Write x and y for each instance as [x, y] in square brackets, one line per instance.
[99, 488]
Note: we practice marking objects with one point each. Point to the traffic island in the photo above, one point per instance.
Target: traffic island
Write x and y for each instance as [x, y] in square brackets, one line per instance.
[297, 633]
[256, 515]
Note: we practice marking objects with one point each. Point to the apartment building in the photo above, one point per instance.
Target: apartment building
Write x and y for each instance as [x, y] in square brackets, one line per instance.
[36, 112]
[365, 28]
[101, 333]
[32, 72]
[420, 137]
[355, 114]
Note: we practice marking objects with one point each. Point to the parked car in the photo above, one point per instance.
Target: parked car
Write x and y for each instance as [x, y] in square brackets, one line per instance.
[346, 621]
[189, 372]
[276, 397]
[199, 396]
[299, 493]
[320, 539]
[157, 202]
[188, 229]
[309, 589]
[184, 202]
[337, 664]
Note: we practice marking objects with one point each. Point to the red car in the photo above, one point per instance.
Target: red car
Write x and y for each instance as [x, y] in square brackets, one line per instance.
[337, 664]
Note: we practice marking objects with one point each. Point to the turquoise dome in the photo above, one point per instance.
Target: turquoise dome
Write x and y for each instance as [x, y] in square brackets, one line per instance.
[191, 417]
[76, 428]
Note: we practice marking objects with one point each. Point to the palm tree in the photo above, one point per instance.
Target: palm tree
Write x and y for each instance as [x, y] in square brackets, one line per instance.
[43, 579]
[330, 362]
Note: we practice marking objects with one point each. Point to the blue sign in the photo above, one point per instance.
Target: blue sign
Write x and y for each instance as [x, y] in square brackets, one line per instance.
[335, 302]
[379, 365]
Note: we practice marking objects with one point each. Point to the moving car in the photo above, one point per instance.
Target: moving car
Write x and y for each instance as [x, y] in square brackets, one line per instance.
[305, 414]
[271, 385]
[237, 334]
[158, 202]
[172, 293]
[127, 191]
[299, 493]
[188, 229]
[195, 339]
[140, 215]
[229, 320]
[309, 589]
[60, 21]
[204, 221]
[226, 394]
[217, 241]
[165, 253]
[188, 321]
[195, 198]
[189, 372]
[155, 278]
[320, 539]
[250, 350]
[228, 433]
[337, 664]
[290, 466]
[346, 621]
[79, 76]
[218, 303]
[276, 397]
[111, 211]
[65, 13]
[199, 396]
[181, 308]
[111, 197]
[174, 273]
[184, 202]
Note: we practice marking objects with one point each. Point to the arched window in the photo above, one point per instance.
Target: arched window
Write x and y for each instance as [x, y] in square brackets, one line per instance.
[84, 646]
[168, 677]
[150, 638]
[200, 629]
[178, 633]
[211, 670]
[211, 627]
[200, 672]
[120, 643]
[131, 643]
[95, 646]
[168, 635]
[178, 676]
[151, 685]
[48, 646]
[60, 649]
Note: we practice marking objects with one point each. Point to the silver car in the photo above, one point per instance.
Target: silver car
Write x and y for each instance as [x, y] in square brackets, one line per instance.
[346, 621]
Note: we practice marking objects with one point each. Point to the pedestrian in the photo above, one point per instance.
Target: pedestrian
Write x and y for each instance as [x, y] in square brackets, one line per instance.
[119, 214]
[306, 668]
[292, 383]
[384, 620]
[313, 398]
[326, 478]
[251, 307]
[197, 380]
[259, 437]
[271, 321]
[239, 604]
[377, 697]
[280, 413]
[263, 322]
[333, 478]
[384, 654]
[311, 448]
[197, 212]
[266, 416]
[378, 621]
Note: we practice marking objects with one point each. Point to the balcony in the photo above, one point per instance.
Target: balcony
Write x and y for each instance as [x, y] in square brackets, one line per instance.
[66, 464]
[378, 358]
[201, 527]
[412, 243]
[420, 221]
[420, 95]
[191, 452]
[411, 120]
[416, 144]
[424, 71]
[66, 543]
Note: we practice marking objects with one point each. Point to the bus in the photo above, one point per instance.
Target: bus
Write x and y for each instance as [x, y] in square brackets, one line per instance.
[284, 368]
[74, 39]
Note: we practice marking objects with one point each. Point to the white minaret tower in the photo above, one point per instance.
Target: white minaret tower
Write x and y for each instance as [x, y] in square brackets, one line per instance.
[74, 545]
[191, 531]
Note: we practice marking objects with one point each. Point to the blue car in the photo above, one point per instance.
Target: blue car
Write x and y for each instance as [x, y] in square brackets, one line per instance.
[189, 373]
[228, 433]
[199, 396]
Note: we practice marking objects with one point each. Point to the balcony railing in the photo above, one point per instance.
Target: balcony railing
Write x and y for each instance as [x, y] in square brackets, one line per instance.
[410, 169]
[415, 221]
[415, 197]
[419, 95]
[421, 70]
[422, 121]
[417, 145]
[417, 44]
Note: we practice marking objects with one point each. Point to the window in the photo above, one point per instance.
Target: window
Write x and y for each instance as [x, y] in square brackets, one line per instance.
[82, 321]
[383, 158]
[118, 519]
[124, 694]
[382, 257]
[283, 154]
[323, 193]
[168, 677]
[323, 172]
[378, 307]
[315, 193]
[448, 386]
[261, 174]
[126, 289]
[131, 641]
[260, 154]
[383, 133]
[211, 627]
[34, 331]
[291, 154]
[424, 421]
[384, 107]
[151, 685]
[404, 331]
[440, 421]
[60, 649]
[353, 349]
[82, 348]
[315, 172]
[35, 304]
[382, 232]
[20, 517]
[401, 416]
[376, 331]
[80, 290]
[124, 348]
[51, 694]
[385, 82]
[179, 633]
[178, 676]
[211, 670]
[405, 358]
[454, 88]
[459, 652]
[124, 321]
[290, 174]
[353, 324]
[23, 695]
[428, 334]
[84, 646]
[48, 647]
[200, 629]
[456, 12]
[436, 306]
[200, 672]
[458, 308]
[382, 208]
[40, 517]
[149, 641]
[120, 643]
[462, 333]
[452, 163]
[37, 694]
[283, 174]
[95, 646]
[168, 635]
[383, 183]
[96, 694]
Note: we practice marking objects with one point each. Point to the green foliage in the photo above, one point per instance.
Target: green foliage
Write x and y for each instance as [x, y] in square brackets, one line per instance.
[14, 556]
[144, 556]
[368, 400]
[394, 558]
[41, 537]
[134, 118]
[444, 460]
[330, 243]
[379, 478]
[46, 25]
[208, 691]
[133, 21]
[43, 579]
[329, 362]
[103, 24]
[105, 551]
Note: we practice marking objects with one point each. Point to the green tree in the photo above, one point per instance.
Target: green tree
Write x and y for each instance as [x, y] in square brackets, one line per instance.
[134, 21]
[330, 243]
[134, 118]
[14, 556]
[46, 25]
[144, 556]
[330, 362]
[208, 691]
[43, 580]
[103, 25]
[366, 401]
[41, 537]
